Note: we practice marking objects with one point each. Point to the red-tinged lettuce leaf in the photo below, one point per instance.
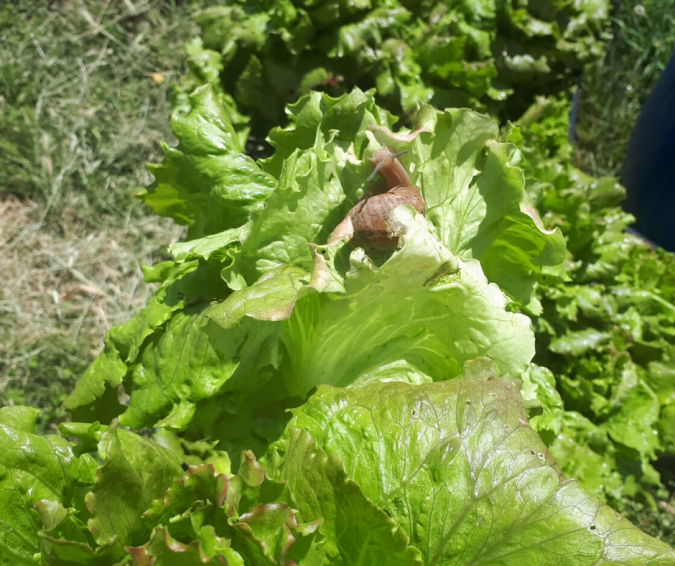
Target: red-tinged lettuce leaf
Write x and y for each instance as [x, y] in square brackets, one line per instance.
[33, 468]
[194, 500]
[135, 472]
[140, 487]
[458, 467]
[247, 513]
[163, 550]
[254, 518]
[264, 535]
[140, 507]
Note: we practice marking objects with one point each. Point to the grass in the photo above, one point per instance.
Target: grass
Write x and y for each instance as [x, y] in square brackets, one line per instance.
[614, 88]
[659, 522]
[62, 288]
[84, 102]
[84, 87]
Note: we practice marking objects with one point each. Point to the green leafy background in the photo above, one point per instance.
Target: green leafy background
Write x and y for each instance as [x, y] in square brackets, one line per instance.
[490, 56]
[607, 334]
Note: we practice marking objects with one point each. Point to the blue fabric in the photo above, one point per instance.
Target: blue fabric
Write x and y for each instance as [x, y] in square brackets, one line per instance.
[649, 170]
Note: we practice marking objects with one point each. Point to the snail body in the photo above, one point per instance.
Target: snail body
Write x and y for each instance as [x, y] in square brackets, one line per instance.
[368, 216]
[365, 224]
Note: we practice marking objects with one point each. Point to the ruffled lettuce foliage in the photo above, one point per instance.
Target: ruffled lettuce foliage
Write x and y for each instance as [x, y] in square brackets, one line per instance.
[389, 472]
[608, 334]
[372, 408]
[117, 498]
[260, 55]
[250, 317]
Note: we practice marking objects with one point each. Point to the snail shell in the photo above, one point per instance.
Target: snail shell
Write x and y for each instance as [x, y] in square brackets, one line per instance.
[368, 216]
[365, 222]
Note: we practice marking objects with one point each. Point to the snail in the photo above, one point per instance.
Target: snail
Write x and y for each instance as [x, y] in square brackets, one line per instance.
[365, 224]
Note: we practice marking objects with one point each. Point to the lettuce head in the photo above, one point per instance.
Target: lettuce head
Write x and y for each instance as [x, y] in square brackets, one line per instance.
[302, 400]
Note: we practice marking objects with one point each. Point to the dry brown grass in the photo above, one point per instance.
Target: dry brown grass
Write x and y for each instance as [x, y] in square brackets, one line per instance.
[67, 287]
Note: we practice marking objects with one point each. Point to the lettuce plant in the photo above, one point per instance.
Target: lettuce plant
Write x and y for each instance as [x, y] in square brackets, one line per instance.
[263, 54]
[608, 334]
[300, 402]
[254, 313]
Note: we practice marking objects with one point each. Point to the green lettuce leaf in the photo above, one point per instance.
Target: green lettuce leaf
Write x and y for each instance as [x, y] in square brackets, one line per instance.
[440, 311]
[539, 387]
[460, 470]
[33, 468]
[193, 359]
[95, 396]
[205, 182]
[135, 472]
